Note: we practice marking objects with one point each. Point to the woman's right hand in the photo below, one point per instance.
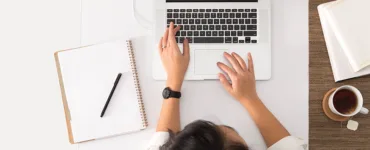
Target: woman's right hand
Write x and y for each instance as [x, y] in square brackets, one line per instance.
[243, 83]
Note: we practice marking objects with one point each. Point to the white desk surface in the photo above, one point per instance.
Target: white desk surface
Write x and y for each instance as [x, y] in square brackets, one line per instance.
[30, 101]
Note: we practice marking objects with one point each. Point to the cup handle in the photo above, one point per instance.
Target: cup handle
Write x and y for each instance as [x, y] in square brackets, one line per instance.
[364, 111]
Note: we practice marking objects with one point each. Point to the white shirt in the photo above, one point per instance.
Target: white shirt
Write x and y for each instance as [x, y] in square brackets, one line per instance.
[287, 143]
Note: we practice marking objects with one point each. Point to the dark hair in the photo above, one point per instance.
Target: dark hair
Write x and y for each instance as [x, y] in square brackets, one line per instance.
[201, 135]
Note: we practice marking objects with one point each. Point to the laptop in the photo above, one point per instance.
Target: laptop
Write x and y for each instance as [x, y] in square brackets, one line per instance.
[214, 27]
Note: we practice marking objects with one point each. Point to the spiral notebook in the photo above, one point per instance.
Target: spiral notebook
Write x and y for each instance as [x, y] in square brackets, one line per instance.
[86, 76]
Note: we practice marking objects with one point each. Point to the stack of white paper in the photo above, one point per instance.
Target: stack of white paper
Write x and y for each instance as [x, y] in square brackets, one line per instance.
[347, 34]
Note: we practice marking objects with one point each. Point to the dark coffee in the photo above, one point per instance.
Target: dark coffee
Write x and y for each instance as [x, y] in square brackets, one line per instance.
[345, 101]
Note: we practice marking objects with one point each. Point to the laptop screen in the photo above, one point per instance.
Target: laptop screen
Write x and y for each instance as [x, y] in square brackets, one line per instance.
[211, 0]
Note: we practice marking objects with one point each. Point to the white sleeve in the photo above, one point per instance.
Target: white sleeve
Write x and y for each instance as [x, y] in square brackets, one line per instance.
[158, 139]
[289, 143]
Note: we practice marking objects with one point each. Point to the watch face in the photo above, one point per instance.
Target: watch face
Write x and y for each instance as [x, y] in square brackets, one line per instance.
[166, 93]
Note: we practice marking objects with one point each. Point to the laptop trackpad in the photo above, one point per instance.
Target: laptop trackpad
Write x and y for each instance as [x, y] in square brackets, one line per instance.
[206, 61]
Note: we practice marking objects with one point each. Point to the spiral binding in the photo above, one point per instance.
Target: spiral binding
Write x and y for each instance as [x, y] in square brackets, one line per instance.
[137, 83]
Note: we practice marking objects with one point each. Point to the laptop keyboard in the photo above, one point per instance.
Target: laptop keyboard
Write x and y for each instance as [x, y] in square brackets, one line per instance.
[215, 25]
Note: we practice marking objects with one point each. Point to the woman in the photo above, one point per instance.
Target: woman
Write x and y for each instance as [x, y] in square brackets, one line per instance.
[205, 135]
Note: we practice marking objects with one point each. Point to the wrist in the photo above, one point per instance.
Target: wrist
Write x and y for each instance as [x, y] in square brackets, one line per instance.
[174, 85]
[250, 102]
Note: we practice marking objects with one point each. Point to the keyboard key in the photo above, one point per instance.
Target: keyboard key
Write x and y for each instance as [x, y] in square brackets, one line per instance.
[227, 33]
[170, 20]
[185, 21]
[214, 33]
[169, 10]
[197, 21]
[251, 27]
[221, 10]
[177, 33]
[196, 33]
[202, 33]
[195, 10]
[238, 15]
[222, 21]
[224, 27]
[175, 15]
[202, 10]
[189, 10]
[240, 10]
[193, 27]
[228, 40]
[181, 27]
[216, 21]
[242, 27]
[213, 15]
[228, 21]
[235, 39]
[188, 15]
[182, 39]
[254, 41]
[210, 21]
[245, 15]
[208, 33]
[211, 27]
[250, 33]
[252, 15]
[207, 15]
[190, 39]
[227, 10]
[218, 27]
[194, 15]
[200, 15]
[234, 10]
[241, 21]
[247, 21]
[205, 27]
[254, 21]
[176, 10]
[191, 21]
[230, 27]
[247, 10]
[254, 10]
[240, 33]
[183, 33]
[182, 15]
[182, 10]
[208, 10]
[236, 27]
[208, 40]
[214, 10]
[233, 33]
[169, 15]
[178, 21]
[235, 21]
[241, 41]
[247, 39]
[226, 15]
[190, 33]
[220, 33]
[219, 15]
[204, 21]
[199, 27]
[186, 27]
[232, 15]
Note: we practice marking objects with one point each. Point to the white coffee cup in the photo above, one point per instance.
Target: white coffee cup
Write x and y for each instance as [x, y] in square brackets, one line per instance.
[360, 101]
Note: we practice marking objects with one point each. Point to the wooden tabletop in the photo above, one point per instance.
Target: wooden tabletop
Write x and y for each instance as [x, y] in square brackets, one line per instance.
[326, 134]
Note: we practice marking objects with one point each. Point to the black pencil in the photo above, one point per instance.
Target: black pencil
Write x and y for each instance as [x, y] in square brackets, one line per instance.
[111, 94]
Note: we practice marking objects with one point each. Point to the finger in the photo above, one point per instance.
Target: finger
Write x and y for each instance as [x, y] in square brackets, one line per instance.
[226, 69]
[186, 48]
[241, 61]
[165, 38]
[171, 34]
[177, 29]
[233, 62]
[225, 83]
[250, 63]
[160, 49]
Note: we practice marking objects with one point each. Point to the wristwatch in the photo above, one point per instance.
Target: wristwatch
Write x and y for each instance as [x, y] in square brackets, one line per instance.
[168, 93]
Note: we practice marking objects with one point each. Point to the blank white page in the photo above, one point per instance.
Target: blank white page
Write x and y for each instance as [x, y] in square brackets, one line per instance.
[88, 75]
